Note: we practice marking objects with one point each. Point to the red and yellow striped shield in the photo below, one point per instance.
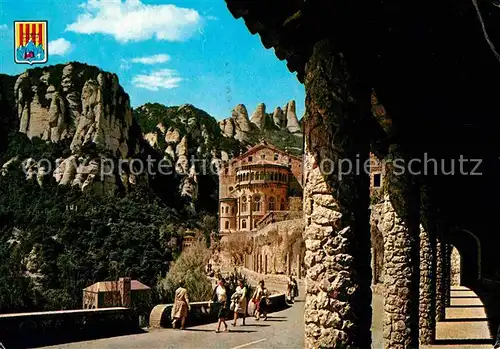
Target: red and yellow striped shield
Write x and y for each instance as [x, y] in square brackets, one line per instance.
[30, 42]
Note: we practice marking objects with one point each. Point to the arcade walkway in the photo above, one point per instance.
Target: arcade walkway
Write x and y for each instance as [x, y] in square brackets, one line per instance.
[465, 326]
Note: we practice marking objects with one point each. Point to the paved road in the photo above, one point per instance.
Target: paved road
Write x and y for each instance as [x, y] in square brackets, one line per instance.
[282, 330]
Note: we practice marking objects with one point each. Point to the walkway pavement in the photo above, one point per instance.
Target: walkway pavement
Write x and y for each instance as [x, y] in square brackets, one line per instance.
[465, 325]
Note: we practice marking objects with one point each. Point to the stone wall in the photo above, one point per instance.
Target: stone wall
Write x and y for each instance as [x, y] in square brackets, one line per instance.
[28, 330]
[278, 248]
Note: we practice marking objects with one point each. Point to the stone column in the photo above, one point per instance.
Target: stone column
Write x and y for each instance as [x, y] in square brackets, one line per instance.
[265, 264]
[400, 226]
[440, 302]
[427, 300]
[447, 276]
[337, 234]
[374, 266]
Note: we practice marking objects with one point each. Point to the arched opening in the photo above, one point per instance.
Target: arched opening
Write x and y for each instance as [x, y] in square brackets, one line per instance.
[271, 204]
[377, 256]
[226, 226]
[456, 265]
[256, 203]
[469, 248]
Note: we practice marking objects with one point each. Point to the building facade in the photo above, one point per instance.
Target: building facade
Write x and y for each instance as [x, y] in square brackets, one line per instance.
[255, 184]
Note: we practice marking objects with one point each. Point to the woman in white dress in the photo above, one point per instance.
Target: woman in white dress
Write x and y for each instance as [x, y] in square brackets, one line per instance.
[240, 307]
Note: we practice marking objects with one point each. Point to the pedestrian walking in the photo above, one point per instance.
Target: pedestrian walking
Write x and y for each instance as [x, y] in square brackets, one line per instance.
[260, 297]
[291, 290]
[240, 302]
[219, 298]
[181, 305]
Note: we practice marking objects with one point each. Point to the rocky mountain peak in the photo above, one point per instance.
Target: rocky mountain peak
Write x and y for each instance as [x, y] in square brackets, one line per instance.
[259, 116]
[292, 122]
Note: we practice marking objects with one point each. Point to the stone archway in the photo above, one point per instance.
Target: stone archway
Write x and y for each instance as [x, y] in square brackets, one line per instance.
[377, 255]
[469, 248]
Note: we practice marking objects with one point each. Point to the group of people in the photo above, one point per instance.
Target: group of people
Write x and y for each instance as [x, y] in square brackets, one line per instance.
[237, 304]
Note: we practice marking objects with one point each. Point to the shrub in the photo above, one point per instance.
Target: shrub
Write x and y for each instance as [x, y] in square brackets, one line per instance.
[190, 266]
[232, 283]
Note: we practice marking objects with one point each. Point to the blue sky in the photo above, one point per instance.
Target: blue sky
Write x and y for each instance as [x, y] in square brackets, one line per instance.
[171, 52]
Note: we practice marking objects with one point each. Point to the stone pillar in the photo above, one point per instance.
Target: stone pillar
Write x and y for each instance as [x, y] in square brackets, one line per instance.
[337, 234]
[125, 288]
[440, 303]
[299, 270]
[265, 264]
[427, 300]
[400, 226]
[260, 263]
[447, 276]
[288, 264]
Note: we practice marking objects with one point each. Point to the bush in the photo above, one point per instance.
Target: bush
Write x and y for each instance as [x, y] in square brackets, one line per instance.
[232, 283]
[190, 266]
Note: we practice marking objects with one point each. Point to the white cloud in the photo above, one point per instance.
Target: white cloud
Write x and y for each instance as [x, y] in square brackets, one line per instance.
[132, 20]
[3, 27]
[163, 78]
[160, 58]
[125, 65]
[59, 47]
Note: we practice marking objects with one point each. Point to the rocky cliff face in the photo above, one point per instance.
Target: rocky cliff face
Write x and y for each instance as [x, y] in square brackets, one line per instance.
[87, 114]
[85, 108]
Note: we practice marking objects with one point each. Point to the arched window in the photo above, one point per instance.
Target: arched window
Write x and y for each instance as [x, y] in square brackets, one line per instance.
[252, 176]
[221, 209]
[227, 209]
[243, 224]
[256, 203]
[275, 156]
[282, 205]
[271, 204]
[226, 225]
[244, 204]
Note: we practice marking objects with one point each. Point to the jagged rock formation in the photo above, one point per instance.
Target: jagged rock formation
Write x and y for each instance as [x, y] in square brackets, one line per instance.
[281, 120]
[87, 110]
[292, 122]
[278, 117]
[191, 140]
[88, 107]
[259, 116]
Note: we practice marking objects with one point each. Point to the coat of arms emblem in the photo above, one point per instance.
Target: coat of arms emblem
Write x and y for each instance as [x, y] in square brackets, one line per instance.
[30, 42]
